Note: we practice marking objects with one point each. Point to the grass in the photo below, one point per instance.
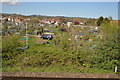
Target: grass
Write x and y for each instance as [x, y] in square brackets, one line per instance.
[57, 68]
[36, 51]
[62, 57]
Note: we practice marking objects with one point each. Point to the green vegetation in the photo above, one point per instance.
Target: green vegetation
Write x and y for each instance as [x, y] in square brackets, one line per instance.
[68, 54]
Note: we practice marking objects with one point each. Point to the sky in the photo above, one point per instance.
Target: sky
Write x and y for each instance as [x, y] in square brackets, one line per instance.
[60, 0]
[68, 9]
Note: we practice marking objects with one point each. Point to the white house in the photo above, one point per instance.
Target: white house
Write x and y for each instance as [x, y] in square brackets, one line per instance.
[69, 24]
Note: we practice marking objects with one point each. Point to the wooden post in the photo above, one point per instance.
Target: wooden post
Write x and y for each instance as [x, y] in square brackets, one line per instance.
[115, 69]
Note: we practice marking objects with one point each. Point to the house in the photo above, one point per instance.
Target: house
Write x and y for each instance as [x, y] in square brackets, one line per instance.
[76, 23]
[69, 24]
[81, 23]
[19, 19]
[11, 19]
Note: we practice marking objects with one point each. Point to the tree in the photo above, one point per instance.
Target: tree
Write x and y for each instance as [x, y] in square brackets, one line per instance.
[110, 18]
[100, 21]
[106, 20]
[90, 22]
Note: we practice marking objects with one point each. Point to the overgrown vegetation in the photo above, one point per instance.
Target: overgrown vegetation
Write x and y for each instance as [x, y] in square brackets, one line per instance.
[68, 54]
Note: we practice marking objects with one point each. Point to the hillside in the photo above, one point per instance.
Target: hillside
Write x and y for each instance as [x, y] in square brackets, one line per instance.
[59, 44]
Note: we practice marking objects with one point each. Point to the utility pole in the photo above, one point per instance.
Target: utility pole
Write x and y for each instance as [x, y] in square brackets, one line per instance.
[26, 36]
